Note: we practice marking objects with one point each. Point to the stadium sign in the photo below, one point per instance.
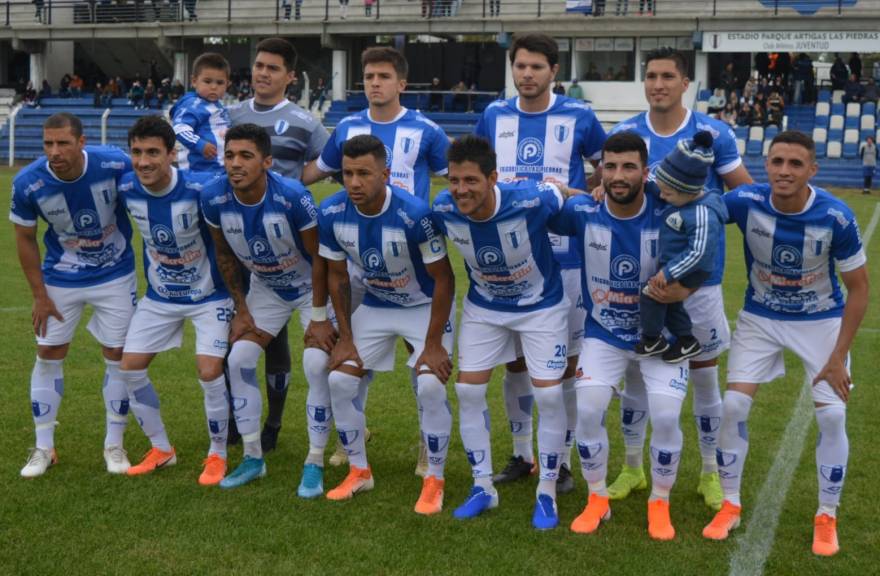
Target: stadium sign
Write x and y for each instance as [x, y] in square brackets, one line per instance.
[791, 41]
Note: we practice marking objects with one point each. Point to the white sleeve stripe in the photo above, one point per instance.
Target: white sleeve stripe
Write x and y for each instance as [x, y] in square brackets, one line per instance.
[16, 219]
[330, 254]
[428, 255]
[211, 224]
[854, 262]
[699, 250]
[309, 225]
[559, 197]
[323, 167]
[442, 172]
[186, 132]
[730, 166]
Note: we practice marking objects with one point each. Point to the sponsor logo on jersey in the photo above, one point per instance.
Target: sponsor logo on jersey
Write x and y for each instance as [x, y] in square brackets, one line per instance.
[489, 256]
[625, 267]
[787, 257]
[530, 150]
[162, 235]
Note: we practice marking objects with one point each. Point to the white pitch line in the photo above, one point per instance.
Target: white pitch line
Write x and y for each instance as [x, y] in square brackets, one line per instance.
[755, 544]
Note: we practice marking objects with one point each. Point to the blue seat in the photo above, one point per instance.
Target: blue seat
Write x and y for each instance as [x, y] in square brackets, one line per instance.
[863, 134]
[835, 135]
[850, 150]
[742, 132]
[754, 147]
[851, 122]
[771, 131]
[704, 95]
[869, 109]
[821, 149]
[824, 96]
[821, 122]
[838, 109]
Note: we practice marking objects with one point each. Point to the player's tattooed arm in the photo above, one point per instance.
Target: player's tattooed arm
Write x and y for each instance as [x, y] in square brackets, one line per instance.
[230, 270]
[435, 356]
[835, 372]
[339, 285]
[320, 332]
[29, 257]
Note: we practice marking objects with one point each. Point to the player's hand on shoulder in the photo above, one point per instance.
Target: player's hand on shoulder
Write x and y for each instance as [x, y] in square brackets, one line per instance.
[344, 351]
[42, 309]
[598, 193]
[436, 358]
[209, 151]
[321, 334]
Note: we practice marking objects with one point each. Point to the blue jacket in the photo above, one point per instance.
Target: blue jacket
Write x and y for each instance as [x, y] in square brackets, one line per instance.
[689, 236]
[198, 122]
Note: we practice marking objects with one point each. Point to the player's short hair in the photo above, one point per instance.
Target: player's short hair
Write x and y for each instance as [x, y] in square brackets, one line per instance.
[210, 60]
[153, 126]
[666, 53]
[252, 133]
[540, 43]
[626, 141]
[378, 54]
[363, 145]
[279, 47]
[795, 137]
[64, 120]
[474, 149]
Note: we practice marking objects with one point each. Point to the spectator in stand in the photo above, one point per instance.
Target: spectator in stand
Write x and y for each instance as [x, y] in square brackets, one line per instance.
[163, 93]
[717, 101]
[762, 63]
[294, 90]
[609, 74]
[853, 91]
[30, 95]
[728, 115]
[190, 6]
[558, 88]
[494, 8]
[244, 90]
[368, 7]
[319, 94]
[775, 108]
[64, 87]
[97, 101]
[803, 78]
[111, 85]
[136, 95]
[869, 154]
[121, 87]
[38, 15]
[734, 99]
[871, 93]
[76, 86]
[177, 90]
[750, 89]
[575, 91]
[729, 80]
[45, 90]
[107, 96]
[592, 74]
[343, 9]
[761, 100]
[624, 74]
[855, 66]
[149, 93]
[839, 73]
[460, 100]
[758, 115]
[435, 100]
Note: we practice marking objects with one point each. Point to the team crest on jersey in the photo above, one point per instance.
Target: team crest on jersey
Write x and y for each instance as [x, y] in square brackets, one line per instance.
[406, 144]
[281, 126]
[625, 267]
[561, 133]
[674, 221]
[530, 150]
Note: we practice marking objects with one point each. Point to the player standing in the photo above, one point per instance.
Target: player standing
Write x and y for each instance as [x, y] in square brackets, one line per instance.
[88, 260]
[392, 237]
[795, 236]
[539, 135]
[662, 126]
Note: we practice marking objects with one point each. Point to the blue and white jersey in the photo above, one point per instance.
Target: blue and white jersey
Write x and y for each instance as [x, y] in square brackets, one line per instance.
[415, 147]
[265, 236]
[179, 262]
[508, 257]
[198, 122]
[620, 256]
[727, 158]
[391, 247]
[88, 240]
[791, 258]
[549, 145]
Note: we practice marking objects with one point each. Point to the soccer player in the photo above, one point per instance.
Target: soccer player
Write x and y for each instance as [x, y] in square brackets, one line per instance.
[182, 283]
[796, 238]
[410, 289]
[539, 135]
[515, 294]
[267, 223]
[414, 145]
[618, 240]
[199, 117]
[88, 260]
[297, 138]
[662, 126]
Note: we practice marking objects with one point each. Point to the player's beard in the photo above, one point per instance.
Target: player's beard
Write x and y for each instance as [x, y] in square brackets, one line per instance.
[628, 198]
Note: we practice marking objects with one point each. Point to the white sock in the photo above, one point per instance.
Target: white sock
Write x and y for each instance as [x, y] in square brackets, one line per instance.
[733, 443]
[414, 382]
[47, 389]
[436, 422]
[319, 412]
[247, 402]
[571, 417]
[551, 435]
[592, 436]
[115, 404]
[349, 414]
[474, 425]
[707, 413]
[364, 389]
[144, 402]
[216, 413]
[666, 443]
[832, 454]
[634, 421]
[518, 401]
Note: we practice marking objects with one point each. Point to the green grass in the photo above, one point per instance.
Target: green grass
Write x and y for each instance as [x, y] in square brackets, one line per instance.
[79, 520]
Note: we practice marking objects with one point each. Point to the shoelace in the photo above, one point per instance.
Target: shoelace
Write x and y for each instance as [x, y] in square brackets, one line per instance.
[37, 454]
[117, 455]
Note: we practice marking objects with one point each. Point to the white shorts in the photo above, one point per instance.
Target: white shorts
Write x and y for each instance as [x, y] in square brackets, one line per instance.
[113, 304]
[601, 364]
[706, 309]
[158, 326]
[756, 354]
[376, 330]
[487, 338]
[271, 312]
[577, 312]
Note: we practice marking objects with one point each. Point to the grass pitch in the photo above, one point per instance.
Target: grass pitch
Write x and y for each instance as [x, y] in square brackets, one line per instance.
[77, 519]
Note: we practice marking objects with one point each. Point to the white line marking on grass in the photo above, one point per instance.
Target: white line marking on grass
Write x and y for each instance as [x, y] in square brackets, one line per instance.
[13, 309]
[755, 544]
